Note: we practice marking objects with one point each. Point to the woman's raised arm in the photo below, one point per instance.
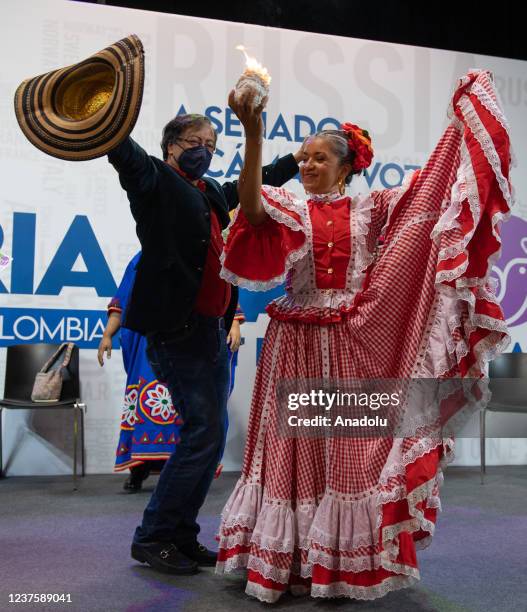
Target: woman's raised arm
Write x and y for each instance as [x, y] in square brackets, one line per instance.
[250, 181]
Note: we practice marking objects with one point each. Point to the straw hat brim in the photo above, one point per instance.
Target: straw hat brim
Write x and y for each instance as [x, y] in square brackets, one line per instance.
[85, 110]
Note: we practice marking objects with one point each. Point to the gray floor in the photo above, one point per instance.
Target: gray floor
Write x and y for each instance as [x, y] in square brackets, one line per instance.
[55, 541]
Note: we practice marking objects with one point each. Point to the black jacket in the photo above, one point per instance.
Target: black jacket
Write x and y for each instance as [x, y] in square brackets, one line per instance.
[173, 225]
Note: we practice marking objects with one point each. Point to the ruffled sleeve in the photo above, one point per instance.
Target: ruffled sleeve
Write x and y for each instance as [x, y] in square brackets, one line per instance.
[470, 328]
[441, 237]
[468, 231]
[259, 257]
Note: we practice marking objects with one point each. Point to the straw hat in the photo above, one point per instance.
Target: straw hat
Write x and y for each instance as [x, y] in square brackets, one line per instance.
[85, 110]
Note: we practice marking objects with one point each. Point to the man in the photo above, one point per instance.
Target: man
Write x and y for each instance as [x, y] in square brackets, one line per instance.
[183, 306]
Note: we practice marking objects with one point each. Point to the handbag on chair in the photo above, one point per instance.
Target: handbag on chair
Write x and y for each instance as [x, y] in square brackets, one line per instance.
[48, 381]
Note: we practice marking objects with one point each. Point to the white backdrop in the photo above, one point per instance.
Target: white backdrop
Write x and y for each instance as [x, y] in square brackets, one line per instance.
[68, 226]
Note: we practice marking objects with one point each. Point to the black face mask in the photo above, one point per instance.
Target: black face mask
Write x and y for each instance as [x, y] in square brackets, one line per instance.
[195, 161]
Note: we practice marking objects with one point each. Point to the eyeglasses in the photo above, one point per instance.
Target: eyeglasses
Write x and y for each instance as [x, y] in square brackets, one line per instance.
[196, 142]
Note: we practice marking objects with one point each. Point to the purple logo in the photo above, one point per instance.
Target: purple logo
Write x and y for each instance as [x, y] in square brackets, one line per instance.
[5, 260]
[511, 271]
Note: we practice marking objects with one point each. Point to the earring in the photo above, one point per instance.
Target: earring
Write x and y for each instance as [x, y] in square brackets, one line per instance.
[342, 186]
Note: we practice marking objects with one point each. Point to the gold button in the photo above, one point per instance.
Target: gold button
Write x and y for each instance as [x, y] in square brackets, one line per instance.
[330, 244]
[330, 270]
[330, 222]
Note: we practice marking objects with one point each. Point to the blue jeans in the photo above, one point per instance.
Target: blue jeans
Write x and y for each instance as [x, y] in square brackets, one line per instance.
[194, 365]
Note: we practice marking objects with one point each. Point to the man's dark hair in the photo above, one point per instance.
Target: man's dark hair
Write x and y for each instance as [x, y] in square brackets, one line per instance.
[175, 127]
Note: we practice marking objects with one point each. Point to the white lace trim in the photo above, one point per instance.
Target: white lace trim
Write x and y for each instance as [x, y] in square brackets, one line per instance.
[325, 300]
[491, 100]
[268, 571]
[476, 126]
[361, 219]
[357, 564]
[461, 82]
[343, 589]
[285, 199]
[332, 196]
[262, 593]
[499, 103]
[434, 362]
[400, 461]
[335, 589]
[457, 124]
[356, 520]
[240, 538]
[410, 576]
[491, 104]
[331, 562]
[427, 491]
[275, 528]
[244, 504]
[465, 188]
[238, 562]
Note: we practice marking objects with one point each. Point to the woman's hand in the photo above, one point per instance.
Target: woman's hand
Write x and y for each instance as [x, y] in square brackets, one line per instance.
[250, 116]
[234, 338]
[105, 346]
[300, 155]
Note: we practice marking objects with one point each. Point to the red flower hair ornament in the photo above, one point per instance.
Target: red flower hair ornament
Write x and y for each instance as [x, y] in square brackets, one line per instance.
[359, 141]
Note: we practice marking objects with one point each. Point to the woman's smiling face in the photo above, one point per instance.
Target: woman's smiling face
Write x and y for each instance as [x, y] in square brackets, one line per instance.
[321, 169]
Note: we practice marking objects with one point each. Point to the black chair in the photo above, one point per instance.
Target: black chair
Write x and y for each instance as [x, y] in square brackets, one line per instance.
[22, 364]
[508, 384]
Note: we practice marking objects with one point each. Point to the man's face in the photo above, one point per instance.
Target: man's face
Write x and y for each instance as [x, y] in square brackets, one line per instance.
[193, 137]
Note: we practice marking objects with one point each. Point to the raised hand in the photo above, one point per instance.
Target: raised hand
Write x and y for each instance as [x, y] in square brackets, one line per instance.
[249, 115]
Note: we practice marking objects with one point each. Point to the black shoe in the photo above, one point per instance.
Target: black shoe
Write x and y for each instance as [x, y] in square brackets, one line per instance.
[164, 557]
[199, 553]
[131, 485]
[134, 482]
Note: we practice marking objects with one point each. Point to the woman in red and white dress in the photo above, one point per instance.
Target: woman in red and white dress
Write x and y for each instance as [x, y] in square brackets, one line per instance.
[343, 517]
